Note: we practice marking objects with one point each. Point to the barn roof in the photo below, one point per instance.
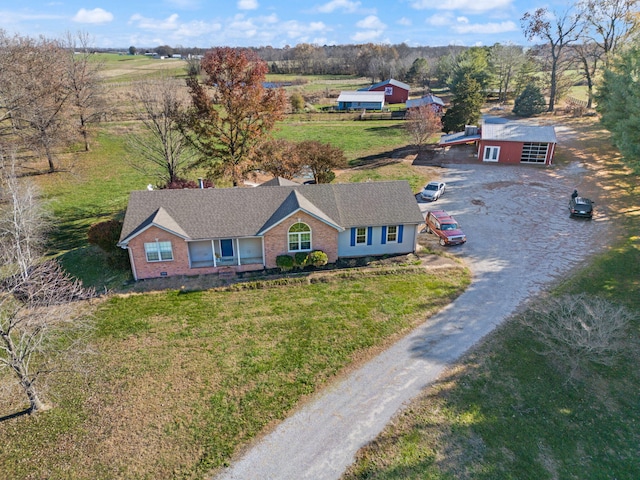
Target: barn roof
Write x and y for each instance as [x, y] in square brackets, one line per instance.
[391, 81]
[518, 132]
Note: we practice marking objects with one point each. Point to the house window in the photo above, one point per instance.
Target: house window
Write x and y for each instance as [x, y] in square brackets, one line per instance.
[392, 234]
[299, 237]
[361, 236]
[158, 251]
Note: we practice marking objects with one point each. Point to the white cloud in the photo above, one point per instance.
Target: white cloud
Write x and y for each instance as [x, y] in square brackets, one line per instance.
[465, 5]
[443, 20]
[371, 23]
[95, 16]
[405, 22]
[247, 4]
[145, 23]
[485, 28]
[346, 6]
[366, 36]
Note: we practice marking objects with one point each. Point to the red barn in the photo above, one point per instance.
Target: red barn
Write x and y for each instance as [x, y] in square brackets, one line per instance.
[394, 91]
[508, 142]
[516, 143]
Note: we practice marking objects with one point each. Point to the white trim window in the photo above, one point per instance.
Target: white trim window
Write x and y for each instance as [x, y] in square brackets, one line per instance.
[158, 251]
[299, 237]
[392, 234]
[491, 154]
[361, 236]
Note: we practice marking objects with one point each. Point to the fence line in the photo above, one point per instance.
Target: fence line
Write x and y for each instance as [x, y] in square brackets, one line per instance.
[577, 102]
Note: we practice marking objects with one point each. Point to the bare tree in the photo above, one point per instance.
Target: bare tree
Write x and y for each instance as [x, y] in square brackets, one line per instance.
[421, 124]
[607, 23]
[38, 301]
[558, 30]
[576, 329]
[163, 150]
[85, 85]
[506, 61]
[610, 22]
[34, 101]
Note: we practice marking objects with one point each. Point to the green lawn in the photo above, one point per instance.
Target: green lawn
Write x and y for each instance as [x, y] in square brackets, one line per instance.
[179, 381]
[358, 139]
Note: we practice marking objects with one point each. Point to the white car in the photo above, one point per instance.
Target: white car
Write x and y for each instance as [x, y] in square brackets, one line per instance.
[432, 191]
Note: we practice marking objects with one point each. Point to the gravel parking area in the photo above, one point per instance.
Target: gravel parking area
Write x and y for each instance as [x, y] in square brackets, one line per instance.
[520, 239]
[517, 222]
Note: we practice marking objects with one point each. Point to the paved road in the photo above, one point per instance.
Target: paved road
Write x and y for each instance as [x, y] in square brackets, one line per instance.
[520, 238]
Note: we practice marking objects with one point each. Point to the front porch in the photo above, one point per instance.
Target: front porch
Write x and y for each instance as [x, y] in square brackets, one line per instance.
[236, 252]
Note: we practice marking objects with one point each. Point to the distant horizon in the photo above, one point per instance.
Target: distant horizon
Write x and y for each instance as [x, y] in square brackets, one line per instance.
[275, 23]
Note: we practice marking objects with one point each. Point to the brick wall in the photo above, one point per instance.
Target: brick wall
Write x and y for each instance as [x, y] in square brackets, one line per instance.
[323, 237]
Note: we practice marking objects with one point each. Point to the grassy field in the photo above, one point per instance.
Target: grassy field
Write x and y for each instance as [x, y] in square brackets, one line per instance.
[358, 139]
[130, 68]
[179, 380]
[506, 411]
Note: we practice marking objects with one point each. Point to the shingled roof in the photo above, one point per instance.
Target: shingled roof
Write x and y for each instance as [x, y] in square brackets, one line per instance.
[198, 214]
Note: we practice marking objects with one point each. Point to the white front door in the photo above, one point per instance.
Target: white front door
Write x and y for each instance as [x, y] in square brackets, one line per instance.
[491, 154]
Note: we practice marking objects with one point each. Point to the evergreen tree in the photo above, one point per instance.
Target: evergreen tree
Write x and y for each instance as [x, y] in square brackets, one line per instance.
[530, 102]
[419, 72]
[618, 102]
[467, 101]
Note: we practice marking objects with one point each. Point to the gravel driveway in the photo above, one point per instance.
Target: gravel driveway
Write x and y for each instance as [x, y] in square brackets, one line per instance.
[520, 238]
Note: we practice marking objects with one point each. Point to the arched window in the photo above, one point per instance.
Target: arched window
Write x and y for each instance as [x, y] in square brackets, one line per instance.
[299, 237]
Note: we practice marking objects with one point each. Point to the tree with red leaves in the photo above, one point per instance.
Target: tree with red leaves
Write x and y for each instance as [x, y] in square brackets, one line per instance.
[232, 111]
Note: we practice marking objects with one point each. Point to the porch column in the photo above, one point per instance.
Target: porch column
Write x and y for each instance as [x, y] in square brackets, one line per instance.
[213, 250]
[238, 250]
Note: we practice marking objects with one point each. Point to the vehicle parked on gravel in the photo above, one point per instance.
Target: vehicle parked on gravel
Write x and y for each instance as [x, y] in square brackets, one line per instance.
[445, 227]
[580, 207]
[433, 191]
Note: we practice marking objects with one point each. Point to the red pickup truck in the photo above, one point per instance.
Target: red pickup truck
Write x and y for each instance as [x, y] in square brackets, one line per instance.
[445, 227]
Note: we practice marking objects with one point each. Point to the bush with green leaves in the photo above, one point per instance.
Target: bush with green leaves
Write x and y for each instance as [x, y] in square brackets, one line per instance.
[300, 259]
[317, 258]
[285, 262]
[530, 102]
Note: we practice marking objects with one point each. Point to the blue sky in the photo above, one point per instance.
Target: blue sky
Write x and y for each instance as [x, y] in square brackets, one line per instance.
[202, 23]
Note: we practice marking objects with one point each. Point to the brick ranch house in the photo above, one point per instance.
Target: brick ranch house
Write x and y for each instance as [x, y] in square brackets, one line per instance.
[207, 231]
[509, 142]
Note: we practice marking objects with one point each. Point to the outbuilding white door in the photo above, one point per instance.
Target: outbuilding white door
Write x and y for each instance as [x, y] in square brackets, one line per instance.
[491, 154]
